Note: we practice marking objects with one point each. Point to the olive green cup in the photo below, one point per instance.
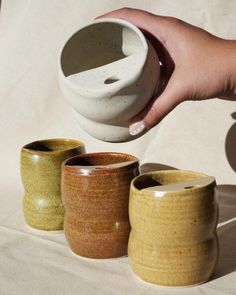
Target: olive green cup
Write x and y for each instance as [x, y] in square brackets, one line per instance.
[173, 216]
[41, 176]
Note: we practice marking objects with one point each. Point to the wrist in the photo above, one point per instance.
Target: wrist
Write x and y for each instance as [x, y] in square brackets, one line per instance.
[229, 68]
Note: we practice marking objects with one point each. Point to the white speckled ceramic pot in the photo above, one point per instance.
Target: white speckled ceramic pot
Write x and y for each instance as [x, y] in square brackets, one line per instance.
[108, 72]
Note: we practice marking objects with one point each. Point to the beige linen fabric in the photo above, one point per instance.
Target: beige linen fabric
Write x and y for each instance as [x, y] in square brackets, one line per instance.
[198, 136]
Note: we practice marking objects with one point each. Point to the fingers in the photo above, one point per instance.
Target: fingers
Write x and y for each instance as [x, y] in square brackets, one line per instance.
[130, 14]
[154, 28]
[157, 30]
[157, 109]
[142, 19]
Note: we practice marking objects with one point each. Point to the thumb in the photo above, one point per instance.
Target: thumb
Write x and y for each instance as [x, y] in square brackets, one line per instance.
[157, 109]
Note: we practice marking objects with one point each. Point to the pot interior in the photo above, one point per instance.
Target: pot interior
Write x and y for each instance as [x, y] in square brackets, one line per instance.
[97, 45]
[52, 145]
[170, 177]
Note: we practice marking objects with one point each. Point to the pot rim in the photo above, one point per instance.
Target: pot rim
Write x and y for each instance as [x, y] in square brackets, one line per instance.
[185, 190]
[26, 147]
[118, 21]
[100, 169]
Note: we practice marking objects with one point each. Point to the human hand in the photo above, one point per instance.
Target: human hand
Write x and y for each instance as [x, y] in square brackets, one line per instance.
[195, 64]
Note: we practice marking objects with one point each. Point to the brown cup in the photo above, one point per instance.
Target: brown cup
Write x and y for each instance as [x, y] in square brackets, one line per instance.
[95, 193]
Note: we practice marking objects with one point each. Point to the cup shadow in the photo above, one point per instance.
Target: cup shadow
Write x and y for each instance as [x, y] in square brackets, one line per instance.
[226, 230]
[230, 143]
[227, 212]
[149, 167]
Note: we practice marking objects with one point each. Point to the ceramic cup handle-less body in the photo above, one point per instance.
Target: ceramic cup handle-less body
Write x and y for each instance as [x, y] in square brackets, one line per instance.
[108, 72]
[41, 176]
[173, 216]
[95, 194]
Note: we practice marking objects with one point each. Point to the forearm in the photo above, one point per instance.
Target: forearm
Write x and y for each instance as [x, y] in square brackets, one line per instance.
[228, 67]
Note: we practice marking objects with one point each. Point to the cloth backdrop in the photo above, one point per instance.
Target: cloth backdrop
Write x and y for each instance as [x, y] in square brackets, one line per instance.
[197, 136]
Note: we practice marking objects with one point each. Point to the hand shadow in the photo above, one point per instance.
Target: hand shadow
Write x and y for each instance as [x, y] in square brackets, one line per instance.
[226, 230]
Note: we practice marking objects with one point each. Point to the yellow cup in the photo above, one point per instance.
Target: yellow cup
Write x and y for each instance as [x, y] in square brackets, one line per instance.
[41, 176]
[173, 216]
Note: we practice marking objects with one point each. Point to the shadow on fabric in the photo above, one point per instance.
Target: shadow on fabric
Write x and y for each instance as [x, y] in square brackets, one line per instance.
[226, 230]
[227, 212]
[230, 144]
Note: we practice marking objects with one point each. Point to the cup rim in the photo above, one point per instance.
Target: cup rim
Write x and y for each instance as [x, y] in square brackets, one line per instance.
[26, 148]
[123, 22]
[183, 191]
[99, 169]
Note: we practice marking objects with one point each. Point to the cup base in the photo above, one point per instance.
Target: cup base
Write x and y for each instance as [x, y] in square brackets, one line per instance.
[138, 278]
[96, 259]
[105, 132]
[43, 231]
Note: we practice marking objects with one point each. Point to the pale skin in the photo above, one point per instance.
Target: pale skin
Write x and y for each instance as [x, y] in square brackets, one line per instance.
[196, 65]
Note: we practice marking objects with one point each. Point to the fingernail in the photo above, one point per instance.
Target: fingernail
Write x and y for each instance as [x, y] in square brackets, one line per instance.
[137, 128]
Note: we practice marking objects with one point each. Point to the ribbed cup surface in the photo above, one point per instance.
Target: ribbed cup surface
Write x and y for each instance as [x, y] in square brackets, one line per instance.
[41, 176]
[173, 238]
[96, 203]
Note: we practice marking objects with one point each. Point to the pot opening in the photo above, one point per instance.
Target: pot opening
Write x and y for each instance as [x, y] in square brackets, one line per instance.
[172, 180]
[52, 145]
[97, 45]
[100, 159]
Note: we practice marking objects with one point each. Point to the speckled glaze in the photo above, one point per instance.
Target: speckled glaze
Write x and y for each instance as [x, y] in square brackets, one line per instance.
[95, 193]
[41, 175]
[108, 72]
[173, 216]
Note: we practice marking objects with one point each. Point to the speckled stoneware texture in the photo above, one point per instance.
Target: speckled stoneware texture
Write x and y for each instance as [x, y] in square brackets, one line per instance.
[108, 72]
[95, 194]
[173, 216]
[41, 175]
